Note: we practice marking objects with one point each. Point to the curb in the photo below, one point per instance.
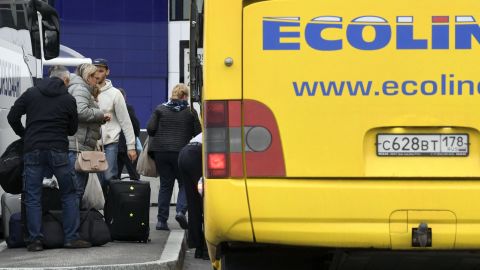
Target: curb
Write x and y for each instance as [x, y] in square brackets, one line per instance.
[171, 259]
[3, 246]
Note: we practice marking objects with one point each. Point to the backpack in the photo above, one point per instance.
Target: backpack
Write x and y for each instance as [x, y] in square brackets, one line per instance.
[11, 168]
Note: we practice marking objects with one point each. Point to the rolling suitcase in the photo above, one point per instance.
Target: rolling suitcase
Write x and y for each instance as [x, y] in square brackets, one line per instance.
[10, 204]
[127, 210]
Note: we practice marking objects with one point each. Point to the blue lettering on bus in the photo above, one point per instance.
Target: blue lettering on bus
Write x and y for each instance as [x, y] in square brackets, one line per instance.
[313, 36]
[464, 33]
[9, 79]
[440, 37]
[272, 36]
[355, 37]
[405, 38]
[286, 34]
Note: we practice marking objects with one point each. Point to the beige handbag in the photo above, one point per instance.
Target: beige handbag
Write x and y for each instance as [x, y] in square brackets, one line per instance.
[145, 164]
[91, 161]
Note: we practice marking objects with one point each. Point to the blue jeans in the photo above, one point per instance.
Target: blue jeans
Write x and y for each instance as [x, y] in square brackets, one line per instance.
[37, 163]
[111, 152]
[167, 167]
[80, 178]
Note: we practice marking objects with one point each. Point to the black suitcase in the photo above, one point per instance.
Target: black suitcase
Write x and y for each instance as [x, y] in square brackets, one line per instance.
[127, 210]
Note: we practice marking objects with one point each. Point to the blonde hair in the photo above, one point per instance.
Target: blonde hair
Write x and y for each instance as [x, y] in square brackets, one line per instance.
[179, 91]
[85, 71]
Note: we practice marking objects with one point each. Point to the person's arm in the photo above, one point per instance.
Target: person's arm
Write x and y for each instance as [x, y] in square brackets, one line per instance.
[124, 120]
[73, 118]
[134, 120]
[197, 128]
[14, 117]
[87, 114]
[152, 124]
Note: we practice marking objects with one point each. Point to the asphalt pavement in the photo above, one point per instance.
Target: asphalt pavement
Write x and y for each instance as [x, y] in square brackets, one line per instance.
[191, 263]
[165, 251]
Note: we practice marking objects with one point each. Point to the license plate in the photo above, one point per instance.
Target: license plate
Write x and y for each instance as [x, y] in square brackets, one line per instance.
[422, 145]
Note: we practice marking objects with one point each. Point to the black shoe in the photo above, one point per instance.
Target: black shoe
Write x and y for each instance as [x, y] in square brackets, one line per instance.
[162, 226]
[77, 244]
[182, 220]
[198, 252]
[205, 255]
[36, 245]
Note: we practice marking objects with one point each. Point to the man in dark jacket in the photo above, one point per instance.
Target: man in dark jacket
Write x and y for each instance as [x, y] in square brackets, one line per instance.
[51, 117]
[122, 158]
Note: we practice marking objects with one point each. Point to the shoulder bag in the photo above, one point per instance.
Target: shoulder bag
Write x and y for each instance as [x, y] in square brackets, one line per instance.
[91, 161]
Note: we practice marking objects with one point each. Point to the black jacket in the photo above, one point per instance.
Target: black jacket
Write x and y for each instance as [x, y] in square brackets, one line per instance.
[51, 116]
[122, 143]
[171, 130]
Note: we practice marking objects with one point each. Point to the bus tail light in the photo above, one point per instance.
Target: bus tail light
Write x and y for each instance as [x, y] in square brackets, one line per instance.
[217, 164]
[263, 147]
[222, 141]
[225, 140]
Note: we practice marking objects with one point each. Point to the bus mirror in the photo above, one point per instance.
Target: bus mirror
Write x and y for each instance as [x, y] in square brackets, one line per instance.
[51, 41]
[50, 28]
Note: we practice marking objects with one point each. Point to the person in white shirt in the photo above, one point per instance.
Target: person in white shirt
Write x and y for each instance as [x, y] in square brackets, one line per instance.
[110, 100]
[190, 166]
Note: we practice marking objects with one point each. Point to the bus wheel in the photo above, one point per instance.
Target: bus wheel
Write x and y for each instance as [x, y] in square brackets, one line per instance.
[276, 258]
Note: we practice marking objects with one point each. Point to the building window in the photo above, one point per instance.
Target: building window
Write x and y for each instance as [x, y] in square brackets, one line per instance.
[179, 10]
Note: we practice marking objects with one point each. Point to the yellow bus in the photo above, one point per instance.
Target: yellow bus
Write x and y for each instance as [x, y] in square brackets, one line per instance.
[341, 124]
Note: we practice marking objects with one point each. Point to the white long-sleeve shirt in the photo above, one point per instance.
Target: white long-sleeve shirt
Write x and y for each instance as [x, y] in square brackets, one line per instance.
[197, 138]
[110, 100]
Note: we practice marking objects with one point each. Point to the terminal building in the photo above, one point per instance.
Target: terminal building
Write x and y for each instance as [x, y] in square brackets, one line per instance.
[145, 42]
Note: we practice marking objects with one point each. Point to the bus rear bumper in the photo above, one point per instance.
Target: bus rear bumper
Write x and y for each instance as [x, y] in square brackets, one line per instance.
[358, 213]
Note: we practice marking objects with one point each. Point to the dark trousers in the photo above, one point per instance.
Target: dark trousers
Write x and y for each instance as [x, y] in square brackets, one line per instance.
[124, 160]
[37, 164]
[190, 165]
[167, 168]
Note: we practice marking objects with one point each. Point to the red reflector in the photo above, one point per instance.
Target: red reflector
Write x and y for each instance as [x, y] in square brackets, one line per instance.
[440, 19]
[236, 165]
[217, 173]
[268, 163]
[215, 114]
[217, 161]
[234, 113]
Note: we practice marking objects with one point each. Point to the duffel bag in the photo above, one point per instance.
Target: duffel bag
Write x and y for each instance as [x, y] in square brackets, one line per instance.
[15, 237]
[52, 230]
[93, 228]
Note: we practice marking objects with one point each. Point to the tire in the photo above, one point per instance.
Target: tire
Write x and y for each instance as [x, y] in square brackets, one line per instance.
[273, 258]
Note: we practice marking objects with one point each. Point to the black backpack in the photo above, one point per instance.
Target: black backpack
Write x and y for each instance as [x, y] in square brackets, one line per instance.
[11, 168]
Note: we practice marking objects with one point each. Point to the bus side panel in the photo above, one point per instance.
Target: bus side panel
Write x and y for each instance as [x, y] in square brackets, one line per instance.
[227, 217]
[223, 39]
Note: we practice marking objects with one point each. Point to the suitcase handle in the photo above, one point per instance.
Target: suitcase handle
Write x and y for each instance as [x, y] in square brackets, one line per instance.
[128, 177]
